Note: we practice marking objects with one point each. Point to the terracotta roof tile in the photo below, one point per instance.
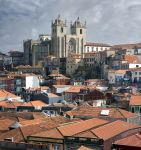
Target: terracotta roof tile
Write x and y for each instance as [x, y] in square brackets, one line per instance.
[5, 123]
[70, 129]
[36, 103]
[10, 104]
[118, 71]
[52, 95]
[115, 128]
[5, 94]
[52, 133]
[133, 140]
[127, 46]
[86, 134]
[33, 127]
[135, 100]
[131, 58]
[97, 44]
[15, 133]
[96, 112]
[74, 89]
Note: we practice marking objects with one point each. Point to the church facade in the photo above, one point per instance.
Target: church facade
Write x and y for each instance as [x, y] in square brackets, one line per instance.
[64, 41]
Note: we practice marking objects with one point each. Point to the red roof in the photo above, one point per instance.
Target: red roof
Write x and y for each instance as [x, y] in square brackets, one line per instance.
[97, 44]
[90, 111]
[70, 129]
[135, 100]
[133, 140]
[112, 129]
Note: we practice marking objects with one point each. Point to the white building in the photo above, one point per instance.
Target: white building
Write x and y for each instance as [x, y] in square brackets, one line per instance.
[136, 74]
[116, 76]
[96, 47]
[25, 81]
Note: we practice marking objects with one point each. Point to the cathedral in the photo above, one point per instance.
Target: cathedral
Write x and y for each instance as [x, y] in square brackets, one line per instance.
[65, 40]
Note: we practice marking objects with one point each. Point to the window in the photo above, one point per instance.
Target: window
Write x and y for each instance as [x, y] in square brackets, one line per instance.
[54, 30]
[56, 147]
[61, 29]
[137, 66]
[132, 109]
[140, 109]
[135, 73]
[80, 31]
[139, 73]
[136, 109]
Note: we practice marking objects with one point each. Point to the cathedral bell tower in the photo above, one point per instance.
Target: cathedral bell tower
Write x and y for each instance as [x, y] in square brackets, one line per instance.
[58, 32]
[78, 30]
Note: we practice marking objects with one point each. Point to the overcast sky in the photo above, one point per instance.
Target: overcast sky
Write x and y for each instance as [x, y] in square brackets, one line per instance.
[108, 21]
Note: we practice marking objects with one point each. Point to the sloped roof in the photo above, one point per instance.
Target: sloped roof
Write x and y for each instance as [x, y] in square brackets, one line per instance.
[5, 123]
[131, 59]
[84, 148]
[90, 111]
[34, 103]
[74, 89]
[133, 140]
[5, 94]
[127, 46]
[52, 95]
[70, 129]
[97, 44]
[33, 127]
[10, 104]
[112, 129]
[135, 100]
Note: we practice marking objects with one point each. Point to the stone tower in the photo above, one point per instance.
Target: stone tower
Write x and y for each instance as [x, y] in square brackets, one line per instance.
[63, 43]
[78, 36]
[59, 30]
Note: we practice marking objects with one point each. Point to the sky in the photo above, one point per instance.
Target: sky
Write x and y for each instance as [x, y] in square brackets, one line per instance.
[108, 21]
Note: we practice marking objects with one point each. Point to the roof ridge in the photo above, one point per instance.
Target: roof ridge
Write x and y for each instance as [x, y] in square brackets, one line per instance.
[120, 112]
[137, 135]
[59, 131]
[22, 133]
[93, 127]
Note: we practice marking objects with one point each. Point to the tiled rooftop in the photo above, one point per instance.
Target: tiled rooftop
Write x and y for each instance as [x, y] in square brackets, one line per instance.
[135, 100]
[70, 129]
[133, 140]
[97, 44]
[112, 129]
[84, 148]
[5, 94]
[90, 111]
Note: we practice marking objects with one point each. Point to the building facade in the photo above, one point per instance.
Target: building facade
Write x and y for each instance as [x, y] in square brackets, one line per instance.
[17, 58]
[64, 43]
[36, 50]
[96, 47]
[73, 62]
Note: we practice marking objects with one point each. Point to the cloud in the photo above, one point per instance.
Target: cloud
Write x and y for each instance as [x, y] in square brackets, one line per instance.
[108, 21]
